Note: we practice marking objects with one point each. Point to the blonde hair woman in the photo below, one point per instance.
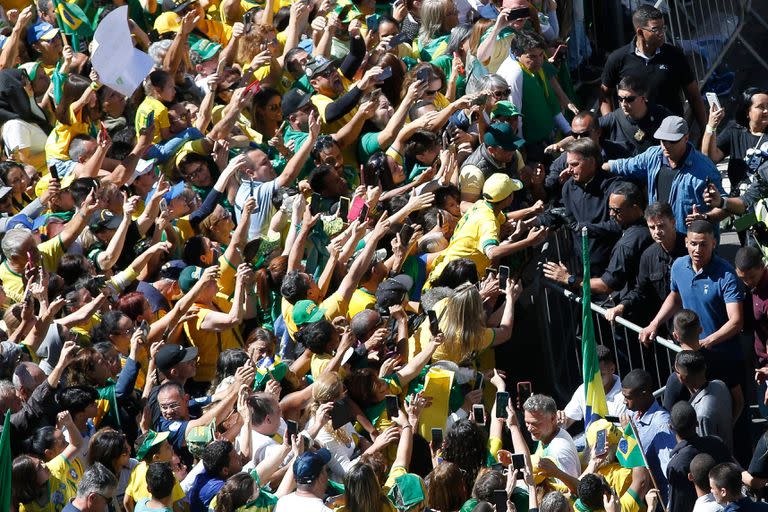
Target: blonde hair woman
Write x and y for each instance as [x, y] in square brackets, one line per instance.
[438, 17]
[466, 329]
[342, 442]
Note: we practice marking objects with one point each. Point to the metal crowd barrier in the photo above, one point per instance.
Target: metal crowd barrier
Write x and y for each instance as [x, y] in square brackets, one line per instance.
[560, 309]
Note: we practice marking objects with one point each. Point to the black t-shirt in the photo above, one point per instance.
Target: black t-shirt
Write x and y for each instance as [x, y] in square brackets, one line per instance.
[667, 73]
[758, 466]
[735, 141]
[635, 136]
[664, 182]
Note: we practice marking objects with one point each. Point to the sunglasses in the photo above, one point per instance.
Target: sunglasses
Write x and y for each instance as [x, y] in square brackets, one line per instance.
[578, 135]
[627, 99]
[501, 94]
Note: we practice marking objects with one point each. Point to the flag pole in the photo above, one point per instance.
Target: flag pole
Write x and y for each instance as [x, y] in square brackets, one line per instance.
[645, 462]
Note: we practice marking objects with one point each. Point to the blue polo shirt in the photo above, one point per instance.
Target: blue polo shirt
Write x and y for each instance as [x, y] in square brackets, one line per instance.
[707, 292]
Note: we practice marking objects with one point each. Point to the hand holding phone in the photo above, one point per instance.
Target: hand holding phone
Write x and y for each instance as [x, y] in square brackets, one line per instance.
[393, 409]
[385, 73]
[434, 324]
[437, 438]
[292, 428]
[503, 277]
[478, 414]
[502, 400]
[713, 100]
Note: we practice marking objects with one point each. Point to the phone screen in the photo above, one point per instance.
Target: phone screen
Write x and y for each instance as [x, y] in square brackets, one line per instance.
[518, 461]
[314, 205]
[392, 408]
[437, 437]
[372, 22]
[423, 74]
[478, 381]
[524, 390]
[385, 73]
[406, 232]
[343, 208]
[502, 400]
[500, 500]
[503, 277]
[363, 213]
[478, 413]
[519, 13]
[601, 445]
[434, 325]
[292, 428]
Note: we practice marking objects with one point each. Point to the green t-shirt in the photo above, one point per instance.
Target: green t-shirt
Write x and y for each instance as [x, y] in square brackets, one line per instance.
[445, 62]
[540, 105]
[368, 145]
[299, 138]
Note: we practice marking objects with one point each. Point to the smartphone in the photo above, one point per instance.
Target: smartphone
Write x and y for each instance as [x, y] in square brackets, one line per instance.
[375, 94]
[437, 437]
[254, 86]
[150, 119]
[144, 326]
[601, 442]
[713, 99]
[385, 73]
[434, 325]
[500, 500]
[613, 419]
[480, 100]
[372, 22]
[503, 277]
[363, 213]
[502, 400]
[340, 414]
[343, 208]
[248, 20]
[292, 428]
[478, 413]
[519, 13]
[163, 205]
[393, 409]
[424, 74]
[478, 381]
[524, 390]
[406, 233]
[399, 39]
[518, 461]
[31, 259]
[251, 185]
[314, 205]
[54, 172]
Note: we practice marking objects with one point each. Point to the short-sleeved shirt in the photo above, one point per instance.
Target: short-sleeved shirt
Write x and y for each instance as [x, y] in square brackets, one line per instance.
[477, 230]
[263, 193]
[734, 141]
[634, 135]
[577, 406]
[713, 411]
[562, 452]
[137, 484]
[161, 120]
[666, 73]
[211, 343]
[361, 299]
[657, 440]
[334, 305]
[51, 252]
[57, 145]
[707, 292]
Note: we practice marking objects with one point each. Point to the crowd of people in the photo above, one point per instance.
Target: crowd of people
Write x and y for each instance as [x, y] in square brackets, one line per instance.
[275, 277]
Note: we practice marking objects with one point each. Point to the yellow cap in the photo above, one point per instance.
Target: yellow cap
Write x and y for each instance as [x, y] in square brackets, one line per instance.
[168, 22]
[613, 432]
[499, 187]
[42, 184]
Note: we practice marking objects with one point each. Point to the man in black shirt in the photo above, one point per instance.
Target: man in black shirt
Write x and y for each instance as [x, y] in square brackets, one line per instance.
[643, 301]
[633, 125]
[664, 66]
[625, 206]
[585, 198]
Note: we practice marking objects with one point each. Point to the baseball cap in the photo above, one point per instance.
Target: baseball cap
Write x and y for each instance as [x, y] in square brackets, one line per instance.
[308, 465]
[305, 312]
[501, 135]
[170, 355]
[199, 437]
[672, 129]
[144, 167]
[41, 31]
[172, 269]
[393, 291]
[613, 433]
[26, 221]
[294, 100]
[189, 276]
[167, 22]
[153, 439]
[104, 219]
[31, 68]
[407, 492]
[317, 65]
[205, 49]
[176, 5]
[499, 187]
[505, 108]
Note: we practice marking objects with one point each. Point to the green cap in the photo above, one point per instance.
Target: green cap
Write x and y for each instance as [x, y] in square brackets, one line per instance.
[199, 437]
[501, 135]
[276, 371]
[305, 312]
[506, 109]
[205, 49]
[407, 492]
[189, 276]
[153, 439]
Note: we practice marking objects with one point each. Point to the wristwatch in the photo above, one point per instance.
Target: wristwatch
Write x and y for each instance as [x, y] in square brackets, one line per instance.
[571, 281]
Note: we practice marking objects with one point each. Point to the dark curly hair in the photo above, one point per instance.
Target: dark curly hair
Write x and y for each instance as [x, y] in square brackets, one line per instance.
[465, 445]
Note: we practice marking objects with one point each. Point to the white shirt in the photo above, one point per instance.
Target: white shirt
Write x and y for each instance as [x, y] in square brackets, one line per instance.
[562, 451]
[292, 503]
[262, 446]
[511, 71]
[341, 454]
[18, 134]
[707, 503]
[577, 407]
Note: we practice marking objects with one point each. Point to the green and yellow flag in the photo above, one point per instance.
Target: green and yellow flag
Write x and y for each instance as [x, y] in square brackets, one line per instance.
[629, 452]
[596, 405]
[5, 463]
[72, 19]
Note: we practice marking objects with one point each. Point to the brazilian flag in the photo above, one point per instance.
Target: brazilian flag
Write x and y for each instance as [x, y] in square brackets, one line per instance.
[629, 452]
[72, 20]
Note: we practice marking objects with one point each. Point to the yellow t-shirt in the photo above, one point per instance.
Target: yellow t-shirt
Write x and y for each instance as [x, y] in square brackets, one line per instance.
[334, 306]
[227, 275]
[477, 230]
[361, 299]
[162, 121]
[210, 343]
[57, 145]
[137, 484]
[62, 485]
[184, 227]
[15, 4]
[322, 101]
[450, 350]
[51, 252]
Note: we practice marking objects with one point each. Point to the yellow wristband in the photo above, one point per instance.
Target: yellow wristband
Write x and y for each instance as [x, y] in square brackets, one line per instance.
[95, 86]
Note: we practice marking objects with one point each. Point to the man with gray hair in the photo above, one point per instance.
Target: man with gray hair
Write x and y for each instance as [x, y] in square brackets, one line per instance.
[95, 491]
[26, 378]
[556, 452]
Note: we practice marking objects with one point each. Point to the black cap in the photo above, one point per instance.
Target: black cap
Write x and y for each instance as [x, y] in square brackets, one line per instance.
[172, 269]
[176, 5]
[392, 292]
[170, 355]
[294, 100]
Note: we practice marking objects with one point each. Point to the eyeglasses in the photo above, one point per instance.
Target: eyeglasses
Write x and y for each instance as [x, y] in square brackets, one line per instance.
[170, 407]
[655, 30]
[502, 94]
[194, 173]
[627, 99]
[578, 135]
[126, 332]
